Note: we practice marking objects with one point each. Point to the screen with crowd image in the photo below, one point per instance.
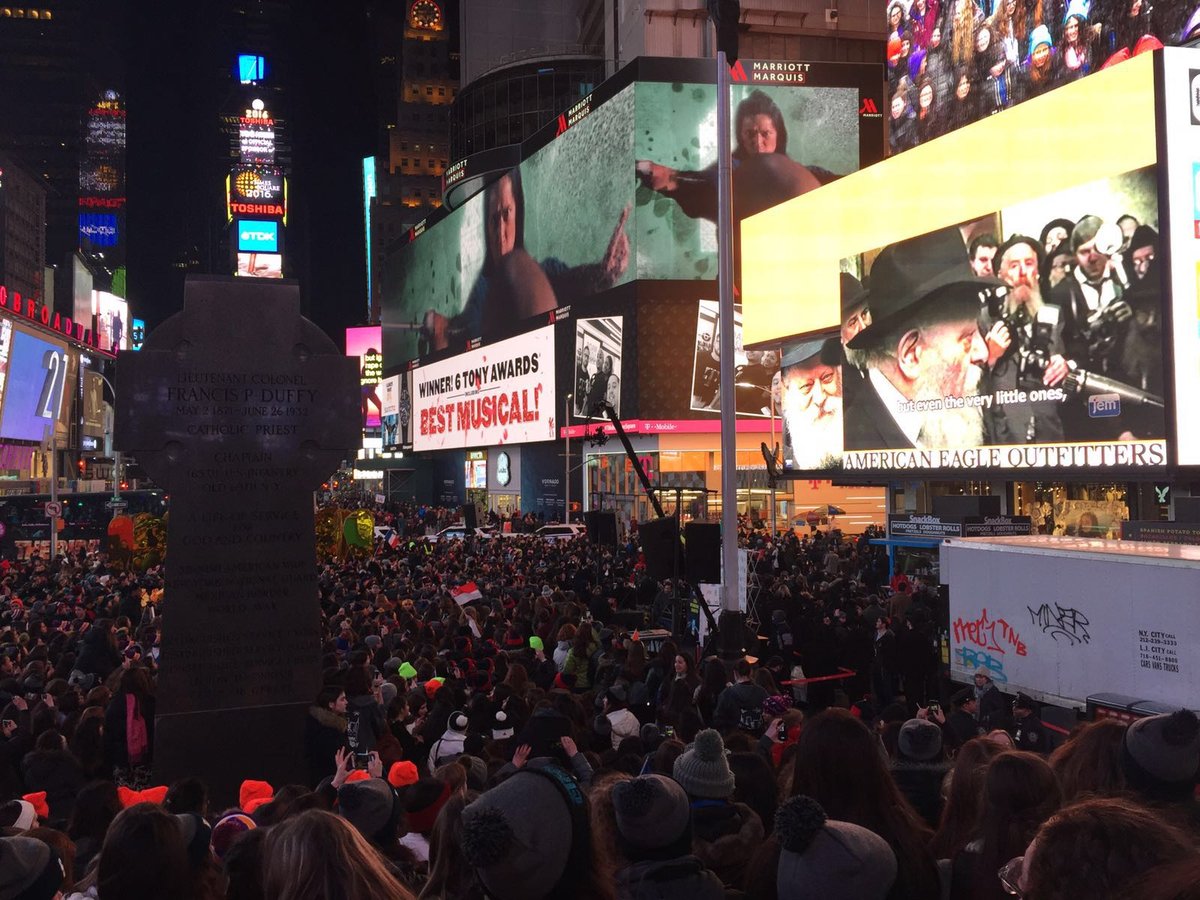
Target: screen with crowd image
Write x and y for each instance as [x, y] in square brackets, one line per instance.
[1030, 338]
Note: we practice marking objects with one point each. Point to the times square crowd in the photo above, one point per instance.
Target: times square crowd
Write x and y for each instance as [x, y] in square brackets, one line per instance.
[953, 62]
[535, 742]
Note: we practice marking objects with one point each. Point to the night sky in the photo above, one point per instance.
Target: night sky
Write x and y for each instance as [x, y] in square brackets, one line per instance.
[178, 77]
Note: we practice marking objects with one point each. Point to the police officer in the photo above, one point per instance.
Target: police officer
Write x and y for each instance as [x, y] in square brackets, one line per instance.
[1029, 733]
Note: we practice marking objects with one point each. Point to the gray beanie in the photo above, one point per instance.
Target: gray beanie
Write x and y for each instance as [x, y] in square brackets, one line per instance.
[1164, 749]
[920, 740]
[387, 692]
[652, 811]
[824, 860]
[518, 837]
[368, 805]
[29, 869]
[703, 770]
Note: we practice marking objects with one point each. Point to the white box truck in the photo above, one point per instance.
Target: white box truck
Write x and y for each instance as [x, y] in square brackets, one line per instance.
[1064, 618]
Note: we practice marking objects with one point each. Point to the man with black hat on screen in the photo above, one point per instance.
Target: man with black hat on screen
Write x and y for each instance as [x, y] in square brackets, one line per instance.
[923, 345]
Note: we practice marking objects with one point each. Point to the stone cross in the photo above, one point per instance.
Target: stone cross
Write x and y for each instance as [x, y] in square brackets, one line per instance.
[239, 408]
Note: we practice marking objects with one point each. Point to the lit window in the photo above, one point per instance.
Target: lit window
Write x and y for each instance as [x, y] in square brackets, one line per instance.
[33, 14]
[46, 14]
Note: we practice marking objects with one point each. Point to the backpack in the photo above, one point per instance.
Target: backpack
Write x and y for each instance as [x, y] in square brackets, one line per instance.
[137, 738]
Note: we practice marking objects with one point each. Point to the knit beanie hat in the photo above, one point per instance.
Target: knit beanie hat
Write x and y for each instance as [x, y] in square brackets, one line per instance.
[368, 805]
[253, 794]
[920, 740]
[1162, 754]
[387, 693]
[19, 814]
[824, 860]
[703, 770]
[535, 643]
[652, 811]
[1039, 36]
[457, 722]
[29, 869]
[406, 670]
[423, 800]
[776, 705]
[229, 829]
[518, 836]
[402, 774]
[391, 665]
[501, 727]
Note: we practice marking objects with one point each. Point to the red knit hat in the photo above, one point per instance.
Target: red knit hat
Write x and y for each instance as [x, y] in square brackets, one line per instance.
[402, 773]
[38, 801]
[254, 794]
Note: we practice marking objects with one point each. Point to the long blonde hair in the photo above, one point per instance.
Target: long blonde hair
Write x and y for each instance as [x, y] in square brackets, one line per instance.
[319, 856]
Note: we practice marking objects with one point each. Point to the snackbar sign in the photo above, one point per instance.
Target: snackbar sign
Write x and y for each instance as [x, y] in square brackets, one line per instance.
[42, 316]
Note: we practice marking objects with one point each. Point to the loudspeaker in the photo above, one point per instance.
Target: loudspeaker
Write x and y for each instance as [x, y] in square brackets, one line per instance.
[601, 528]
[703, 552]
[660, 539]
[469, 519]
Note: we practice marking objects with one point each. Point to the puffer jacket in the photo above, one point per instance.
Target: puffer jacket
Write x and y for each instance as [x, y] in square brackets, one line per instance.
[683, 878]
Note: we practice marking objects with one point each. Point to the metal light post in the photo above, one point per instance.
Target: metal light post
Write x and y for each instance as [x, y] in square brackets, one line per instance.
[567, 473]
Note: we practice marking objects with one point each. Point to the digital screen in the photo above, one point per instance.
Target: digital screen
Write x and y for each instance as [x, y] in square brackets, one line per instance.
[105, 131]
[753, 371]
[249, 186]
[250, 68]
[396, 419]
[257, 235]
[93, 404]
[1181, 111]
[137, 334]
[256, 142]
[810, 404]
[541, 238]
[98, 229]
[598, 353]
[260, 265]
[365, 343]
[37, 376]
[112, 321]
[953, 63]
[1044, 354]
[104, 177]
[6, 332]
[502, 393]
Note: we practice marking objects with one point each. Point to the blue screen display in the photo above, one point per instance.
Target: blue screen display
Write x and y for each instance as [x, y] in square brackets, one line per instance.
[98, 228]
[251, 68]
[258, 236]
[37, 371]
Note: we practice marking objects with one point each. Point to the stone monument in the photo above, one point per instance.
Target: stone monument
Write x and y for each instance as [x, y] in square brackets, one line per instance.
[240, 408]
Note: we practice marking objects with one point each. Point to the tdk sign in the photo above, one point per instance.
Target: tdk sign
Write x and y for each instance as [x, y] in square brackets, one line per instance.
[258, 236]
[1104, 406]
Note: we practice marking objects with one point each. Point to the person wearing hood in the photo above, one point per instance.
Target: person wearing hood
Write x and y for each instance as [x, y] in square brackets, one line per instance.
[324, 732]
[654, 832]
[449, 746]
[365, 720]
[1160, 757]
[725, 834]
[51, 768]
[624, 724]
[99, 655]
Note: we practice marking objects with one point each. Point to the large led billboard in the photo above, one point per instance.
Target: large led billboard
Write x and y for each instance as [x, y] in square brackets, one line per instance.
[623, 188]
[364, 343]
[37, 376]
[93, 404]
[502, 393]
[1008, 323]
[257, 235]
[260, 265]
[395, 395]
[957, 62]
[99, 229]
[1181, 115]
[112, 321]
[253, 186]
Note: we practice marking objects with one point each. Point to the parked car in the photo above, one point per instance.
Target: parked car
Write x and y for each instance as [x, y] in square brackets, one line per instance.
[458, 531]
[560, 532]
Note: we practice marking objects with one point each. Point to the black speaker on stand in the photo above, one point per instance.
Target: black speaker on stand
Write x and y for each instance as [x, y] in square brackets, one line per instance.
[601, 528]
[703, 552]
[660, 541]
[469, 519]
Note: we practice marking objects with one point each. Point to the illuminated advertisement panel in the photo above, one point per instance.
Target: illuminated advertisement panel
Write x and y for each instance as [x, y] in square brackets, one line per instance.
[98, 229]
[250, 186]
[112, 321]
[365, 343]
[1009, 324]
[257, 235]
[137, 334]
[260, 265]
[256, 142]
[396, 419]
[502, 393]
[6, 332]
[1181, 115]
[957, 62]
[93, 404]
[810, 404]
[36, 378]
[542, 238]
[598, 348]
[102, 177]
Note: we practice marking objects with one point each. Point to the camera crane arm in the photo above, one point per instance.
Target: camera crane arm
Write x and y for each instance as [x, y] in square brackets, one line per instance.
[605, 407]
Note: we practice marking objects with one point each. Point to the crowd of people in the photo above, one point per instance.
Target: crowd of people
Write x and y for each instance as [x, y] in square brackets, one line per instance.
[535, 742]
[952, 62]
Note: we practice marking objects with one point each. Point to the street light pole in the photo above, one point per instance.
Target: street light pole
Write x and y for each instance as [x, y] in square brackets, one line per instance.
[567, 473]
